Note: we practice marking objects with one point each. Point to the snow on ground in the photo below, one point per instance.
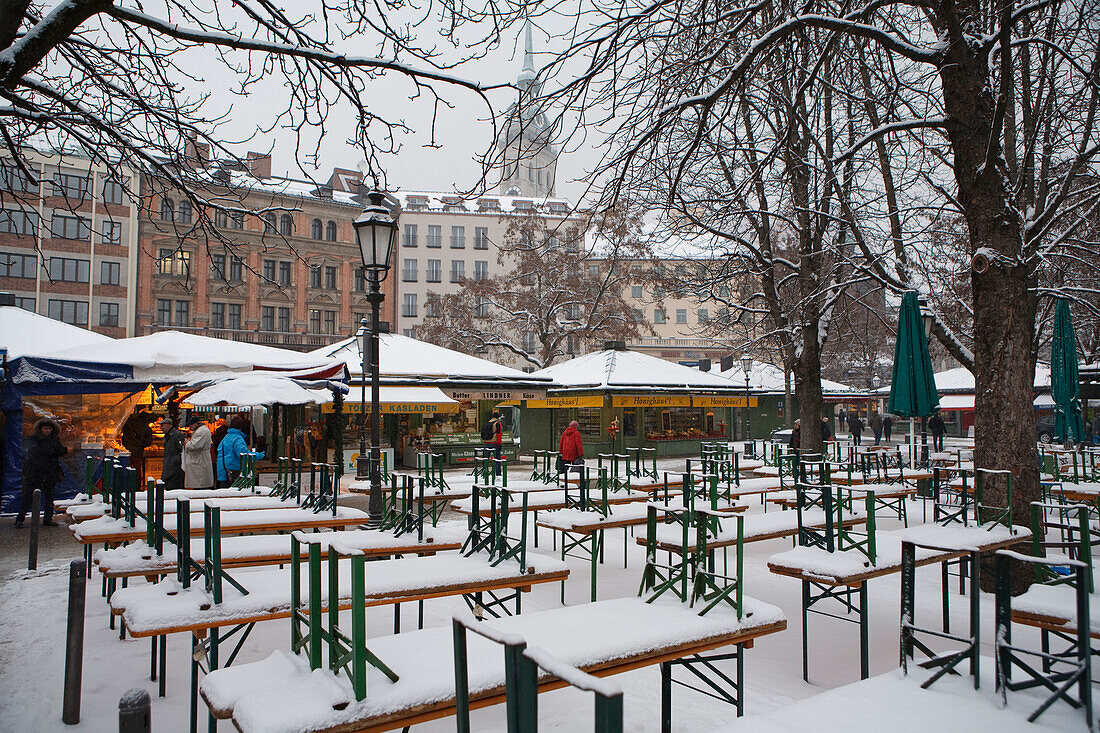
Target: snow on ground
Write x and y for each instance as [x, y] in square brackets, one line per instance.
[33, 607]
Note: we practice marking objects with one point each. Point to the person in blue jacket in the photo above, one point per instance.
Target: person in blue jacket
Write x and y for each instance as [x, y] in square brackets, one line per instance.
[229, 452]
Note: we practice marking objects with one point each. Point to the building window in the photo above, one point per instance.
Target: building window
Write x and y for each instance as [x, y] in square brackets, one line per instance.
[69, 311]
[185, 212]
[68, 270]
[221, 220]
[357, 318]
[458, 237]
[236, 269]
[113, 191]
[330, 278]
[217, 265]
[13, 181]
[315, 230]
[434, 272]
[458, 271]
[360, 280]
[286, 225]
[681, 315]
[435, 235]
[267, 318]
[217, 315]
[481, 237]
[110, 273]
[409, 333]
[73, 188]
[481, 269]
[19, 222]
[108, 314]
[236, 220]
[183, 312]
[110, 232]
[408, 305]
[410, 235]
[167, 209]
[284, 274]
[164, 312]
[26, 304]
[636, 292]
[572, 311]
[408, 271]
[529, 342]
[18, 265]
[330, 322]
[269, 270]
[482, 308]
[431, 307]
[284, 319]
[233, 318]
[659, 316]
[315, 276]
[314, 320]
[593, 270]
[271, 222]
[71, 227]
[330, 231]
[174, 262]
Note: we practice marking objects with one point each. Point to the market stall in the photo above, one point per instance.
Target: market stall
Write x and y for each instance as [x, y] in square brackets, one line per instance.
[445, 421]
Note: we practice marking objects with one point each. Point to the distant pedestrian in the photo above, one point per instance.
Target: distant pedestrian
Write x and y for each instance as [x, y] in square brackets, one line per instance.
[570, 448]
[198, 471]
[875, 422]
[492, 438]
[229, 453]
[1096, 428]
[795, 441]
[855, 427]
[41, 470]
[887, 426]
[136, 437]
[826, 430]
[938, 429]
[171, 472]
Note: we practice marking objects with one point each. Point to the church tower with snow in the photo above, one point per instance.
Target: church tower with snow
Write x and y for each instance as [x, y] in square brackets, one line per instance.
[528, 159]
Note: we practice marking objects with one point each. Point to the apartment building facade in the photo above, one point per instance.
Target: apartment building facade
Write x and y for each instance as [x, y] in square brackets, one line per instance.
[69, 239]
[288, 275]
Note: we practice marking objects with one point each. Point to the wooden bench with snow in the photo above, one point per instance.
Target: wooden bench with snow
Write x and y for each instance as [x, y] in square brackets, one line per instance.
[890, 497]
[239, 502]
[683, 614]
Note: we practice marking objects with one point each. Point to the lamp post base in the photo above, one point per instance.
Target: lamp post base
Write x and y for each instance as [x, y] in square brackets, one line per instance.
[362, 468]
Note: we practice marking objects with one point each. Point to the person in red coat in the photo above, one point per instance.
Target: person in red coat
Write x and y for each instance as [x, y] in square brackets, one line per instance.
[570, 447]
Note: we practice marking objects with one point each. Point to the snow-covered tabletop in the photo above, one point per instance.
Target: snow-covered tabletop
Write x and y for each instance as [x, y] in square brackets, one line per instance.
[169, 495]
[547, 500]
[281, 695]
[1055, 606]
[162, 607]
[108, 529]
[852, 566]
[621, 515]
[83, 512]
[431, 493]
[758, 527]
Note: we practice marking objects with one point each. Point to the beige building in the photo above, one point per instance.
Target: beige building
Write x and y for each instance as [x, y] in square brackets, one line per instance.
[69, 240]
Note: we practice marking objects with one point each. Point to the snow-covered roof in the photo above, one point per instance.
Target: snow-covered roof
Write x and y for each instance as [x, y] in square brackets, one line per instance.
[615, 368]
[440, 201]
[171, 355]
[24, 333]
[960, 379]
[401, 356]
[766, 377]
[259, 389]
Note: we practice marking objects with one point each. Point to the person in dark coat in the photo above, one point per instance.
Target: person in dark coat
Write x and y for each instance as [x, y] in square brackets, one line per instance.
[938, 429]
[136, 437]
[41, 470]
[887, 426]
[855, 427]
[171, 472]
[876, 426]
[826, 430]
[796, 436]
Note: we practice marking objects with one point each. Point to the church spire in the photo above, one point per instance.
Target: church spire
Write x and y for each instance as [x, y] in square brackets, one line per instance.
[528, 52]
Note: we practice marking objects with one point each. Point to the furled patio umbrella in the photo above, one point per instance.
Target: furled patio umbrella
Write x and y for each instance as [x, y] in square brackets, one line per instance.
[912, 386]
[1065, 385]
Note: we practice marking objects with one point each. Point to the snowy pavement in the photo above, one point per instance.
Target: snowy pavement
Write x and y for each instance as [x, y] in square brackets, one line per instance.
[32, 606]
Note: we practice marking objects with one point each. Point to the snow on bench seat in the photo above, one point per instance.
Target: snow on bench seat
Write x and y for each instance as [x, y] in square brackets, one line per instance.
[758, 527]
[169, 495]
[623, 515]
[1054, 607]
[137, 558]
[165, 607]
[281, 695]
[882, 491]
[852, 566]
[755, 486]
[251, 502]
[108, 529]
[431, 493]
[547, 500]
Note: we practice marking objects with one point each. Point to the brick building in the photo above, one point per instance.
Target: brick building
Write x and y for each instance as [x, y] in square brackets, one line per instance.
[289, 275]
[69, 240]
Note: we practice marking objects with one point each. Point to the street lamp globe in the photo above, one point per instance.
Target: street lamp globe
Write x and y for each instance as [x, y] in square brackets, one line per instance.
[876, 381]
[376, 233]
[746, 365]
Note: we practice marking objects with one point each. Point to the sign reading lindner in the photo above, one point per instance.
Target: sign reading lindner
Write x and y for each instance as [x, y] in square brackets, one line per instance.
[469, 395]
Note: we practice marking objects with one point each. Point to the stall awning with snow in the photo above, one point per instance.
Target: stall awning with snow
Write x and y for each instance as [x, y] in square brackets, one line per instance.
[622, 369]
[257, 389]
[24, 333]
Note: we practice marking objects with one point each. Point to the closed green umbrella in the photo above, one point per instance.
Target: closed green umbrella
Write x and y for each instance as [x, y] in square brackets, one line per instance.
[912, 387]
[1065, 385]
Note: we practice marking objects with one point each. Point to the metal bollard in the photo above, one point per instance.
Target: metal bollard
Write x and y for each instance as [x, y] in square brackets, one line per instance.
[133, 712]
[36, 522]
[74, 641]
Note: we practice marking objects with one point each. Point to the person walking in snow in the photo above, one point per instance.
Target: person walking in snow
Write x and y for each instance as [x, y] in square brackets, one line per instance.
[876, 426]
[887, 426]
[570, 448]
[855, 427]
[938, 430]
[198, 471]
[171, 472]
[41, 470]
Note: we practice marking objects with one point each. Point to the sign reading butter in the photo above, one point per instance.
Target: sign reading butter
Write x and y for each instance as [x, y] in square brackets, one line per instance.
[714, 401]
[390, 408]
[468, 395]
[651, 400]
[581, 401]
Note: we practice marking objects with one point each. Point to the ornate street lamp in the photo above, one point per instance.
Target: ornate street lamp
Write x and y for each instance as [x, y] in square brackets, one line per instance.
[362, 464]
[376, 233]
[746, 366]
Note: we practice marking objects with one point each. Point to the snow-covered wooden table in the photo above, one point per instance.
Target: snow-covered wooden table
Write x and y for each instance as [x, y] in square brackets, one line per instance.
[245, 502]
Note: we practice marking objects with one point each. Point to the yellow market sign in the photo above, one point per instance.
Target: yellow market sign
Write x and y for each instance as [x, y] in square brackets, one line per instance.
[716, 401]
[397, 408]
[582, 401]
[651, 400]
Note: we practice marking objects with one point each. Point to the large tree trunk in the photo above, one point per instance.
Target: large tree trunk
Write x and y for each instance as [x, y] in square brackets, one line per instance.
[1004, 296]
[808, 389]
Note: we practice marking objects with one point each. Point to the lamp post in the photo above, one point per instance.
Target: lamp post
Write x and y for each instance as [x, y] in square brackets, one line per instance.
[746, 366]
[927, 319]
[376, 233]
[362, 464]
